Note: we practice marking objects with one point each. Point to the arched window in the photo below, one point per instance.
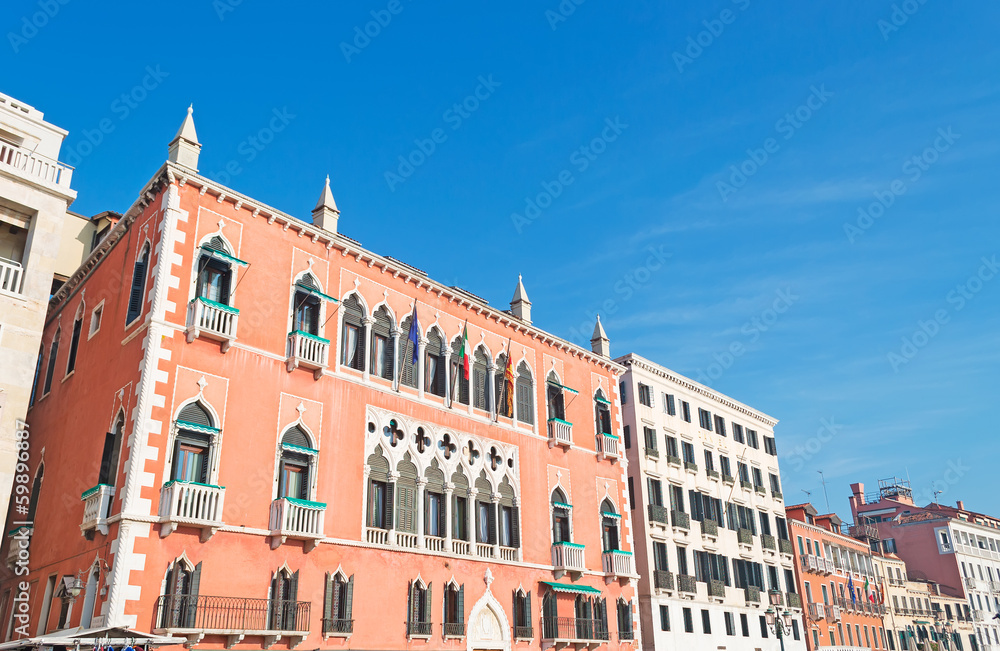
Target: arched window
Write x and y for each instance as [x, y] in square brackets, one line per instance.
[602, 412]
[51, 369]
[418, 610]
[407, 356]
[505, 404]
[510, 535]
[193, 444]
[36, 488]
[90, 598]
[554, 397]
[338, 605]
[454, 610]
[460, 506]
[459, 383]
[307, 306]
[214, 272]
[294, 464]
[523, 395]
[434, 382]
[352, 344]
[406, 496]
[550, 616]
[108, 474]
[178, 607]
[609, 526]
[625, 631]
[382, 349]
[138, 289]
[523, 615]
[486, 515]
[379, 492]
[74, 344]
[560, 517]
[584, 611]
[434, 506]
[285, 615]
[481, 380]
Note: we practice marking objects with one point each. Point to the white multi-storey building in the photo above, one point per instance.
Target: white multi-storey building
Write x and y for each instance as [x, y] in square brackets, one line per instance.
[712, 543]
[37, 243]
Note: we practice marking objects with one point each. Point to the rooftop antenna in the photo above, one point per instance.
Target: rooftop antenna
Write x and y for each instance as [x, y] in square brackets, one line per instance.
[824, 490]
[936, 493]
[808, 493]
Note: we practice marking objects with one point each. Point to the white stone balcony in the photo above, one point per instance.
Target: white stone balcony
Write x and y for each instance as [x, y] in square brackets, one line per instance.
[568, 557]
[816, 611]
[11, 276]
[560, 433]
[617, 564]
[297, 519]
[834, 613]
[188, 503]
[96, 508]
[308, 351]
[34, 165]
[608, 446]
[212, 320]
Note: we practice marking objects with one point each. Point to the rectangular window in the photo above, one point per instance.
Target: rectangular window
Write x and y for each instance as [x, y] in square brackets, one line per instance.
[95, 320]
[189, 463]
[763, 627]
[688, 620]
[380, 357]
[688, 450]
[645, 395]
[730, 623]
[655, 490]
[725, 467]
[668, 404]
[672, 447]
[460, 518]
[709, 463]
[745, 625]
[660, 558]
[752, 438]
[621, 390]
[704, 419]
[351, 351]
[744, 471]
[664, 618]
[433, 515]
[628, 436]
[770, 447]
[685, 411]
[649, 436]
[720, 425]
[775, 485]
[706, 623]
[758, 478]
[631, 493]
[795, 629]
[738, 433]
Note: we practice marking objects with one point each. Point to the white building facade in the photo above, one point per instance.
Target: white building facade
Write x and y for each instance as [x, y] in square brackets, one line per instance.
[34, 196]
[712, 543]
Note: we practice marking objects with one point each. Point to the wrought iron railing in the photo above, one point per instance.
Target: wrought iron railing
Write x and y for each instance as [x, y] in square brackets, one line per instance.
[744, 536]
[716, 589]
[573, 628]
[231, 613]
[663, 580]
[680, 519]
[710, 528]
[686, 583]
[453, 629]
[794, 599]
[418, 628]
[752, 594]
[785, 546]
[523, 632]
[658, 513]
[671, 459]
[652, 452]
[337, 626]
[767, 541]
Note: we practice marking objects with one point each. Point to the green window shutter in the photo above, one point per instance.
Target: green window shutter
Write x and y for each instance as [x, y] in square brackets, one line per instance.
[293, 587]
[349, 599]
[387, 516]
[195, 580]
[442, 517]
[330, 598]
[515, 527]
[427, 501]
[411, 601]
[492, 509]
[461, 604]
[427, 605]
[527, 609]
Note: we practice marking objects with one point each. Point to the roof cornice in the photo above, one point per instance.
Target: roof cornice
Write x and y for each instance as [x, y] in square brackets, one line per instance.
[656, 369]
[171, 172]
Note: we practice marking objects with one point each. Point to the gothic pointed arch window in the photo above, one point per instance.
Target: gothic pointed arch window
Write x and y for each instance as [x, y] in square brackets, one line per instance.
[382, 345]
[610, 522]
[179, 603]
[36, 489]
[307, 307]
[108, 473]
[285, 611]
[352, 343]
[51, 368]
[418, 610]
[624, 611]
[481, 380]
[486, 514]
[215, 271]
[524, 395]
[74, 344]
[380, 489]
[560, 517]
[522, 615]
[454, 609]
[138, 289]
[602, 413]
[338, 605]
[295, 464]
[510, 525]
[501, 386]
[550, 616]
[434, 371]
[459, 383]
[434, 505]
[193, 443]
[554, 399]
[460, 506]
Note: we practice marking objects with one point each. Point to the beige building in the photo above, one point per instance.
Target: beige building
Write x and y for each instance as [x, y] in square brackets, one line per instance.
[39, 244]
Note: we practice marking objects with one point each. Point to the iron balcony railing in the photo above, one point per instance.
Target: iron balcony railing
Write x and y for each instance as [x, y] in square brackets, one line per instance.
[573, 628]
[686, 583]
[453, 629]
[658, 513]
[713, 474]
[625, 634]
[680, 519]
[523, 632]
[767, 541]
[710, 528]
[745, 484]
[716, 589]
[663, 580]
[794, 600]
[752, 594]
[419, 628]
[691, 465]
[728, 479]
[674, 461]
[231, 613]
[652, 452]
[785, 546]
[744, 536]
[337, 626]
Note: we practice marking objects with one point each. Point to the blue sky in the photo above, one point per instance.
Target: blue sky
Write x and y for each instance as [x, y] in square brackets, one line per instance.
[866, 325]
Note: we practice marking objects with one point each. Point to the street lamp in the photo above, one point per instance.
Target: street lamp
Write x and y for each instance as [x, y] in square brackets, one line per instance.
[944, 630]
[780, 624]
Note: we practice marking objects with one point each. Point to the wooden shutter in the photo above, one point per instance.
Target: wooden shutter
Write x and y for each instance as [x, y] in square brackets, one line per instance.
[195, 581]
[492, 510]
[387, 516]
[138, 286]
[527, 609]
[515, 527]
[411, 603]
[427, 605]
[293, 587]
[406, 506]
[329, 598]
[349, 599]
[460, 608]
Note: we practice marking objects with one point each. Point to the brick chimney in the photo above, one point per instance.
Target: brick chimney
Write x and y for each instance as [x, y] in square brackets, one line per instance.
[961, 505]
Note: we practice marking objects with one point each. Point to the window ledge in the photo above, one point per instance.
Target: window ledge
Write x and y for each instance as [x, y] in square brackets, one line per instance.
[68, 375]
[448, 637]
[342, 636]
[418, 637]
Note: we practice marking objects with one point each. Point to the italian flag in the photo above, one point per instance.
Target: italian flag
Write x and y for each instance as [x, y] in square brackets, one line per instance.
[463, 354]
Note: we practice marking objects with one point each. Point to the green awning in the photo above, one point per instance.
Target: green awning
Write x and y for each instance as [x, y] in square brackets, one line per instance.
[567, 587]
[563, 505]
[602, 400]
[610, 515]
[309, 335]
[305, 503]
[222, 255]
[191, 483]
[195, 427]
[220, 306]
[315, 292]
[299, 448]
[564, 388]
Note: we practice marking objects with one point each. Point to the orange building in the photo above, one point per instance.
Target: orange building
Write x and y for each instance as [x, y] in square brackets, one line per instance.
[838, 581]
[258, 434]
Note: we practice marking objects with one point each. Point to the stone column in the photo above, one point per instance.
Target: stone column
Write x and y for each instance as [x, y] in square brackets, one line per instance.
[421, 348]
[420, 510]
[491, 388]
[366, 332]
[393, 479]
[494, 505]
[470, 516]
[449, 491]
[394, 334]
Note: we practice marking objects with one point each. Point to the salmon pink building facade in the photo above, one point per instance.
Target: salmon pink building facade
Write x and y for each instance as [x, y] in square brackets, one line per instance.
[267, 440]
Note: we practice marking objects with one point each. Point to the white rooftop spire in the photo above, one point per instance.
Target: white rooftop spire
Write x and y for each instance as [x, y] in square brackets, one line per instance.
[326, 213]
[600, 343]
[520, 306]
[185, 148]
